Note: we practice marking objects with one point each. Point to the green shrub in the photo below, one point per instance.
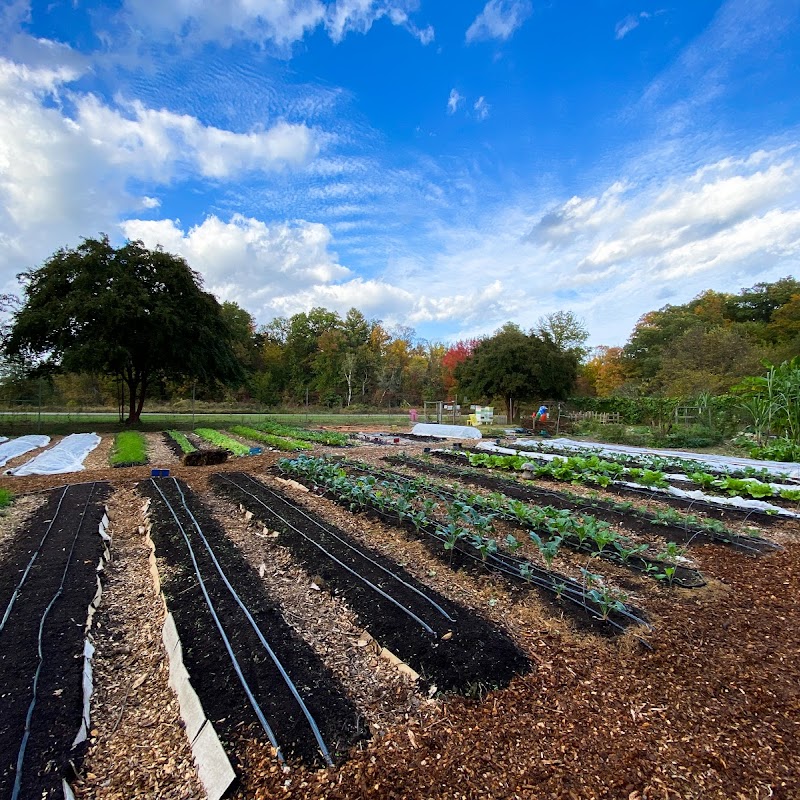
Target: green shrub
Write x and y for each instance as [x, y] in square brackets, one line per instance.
[130, 449]
[6, 498]
[782, 449]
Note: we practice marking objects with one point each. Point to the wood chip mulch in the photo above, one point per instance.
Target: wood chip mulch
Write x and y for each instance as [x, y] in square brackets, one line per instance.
[711, 711]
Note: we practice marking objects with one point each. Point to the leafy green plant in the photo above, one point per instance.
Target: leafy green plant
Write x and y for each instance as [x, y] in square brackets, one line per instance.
[182, 440]
[223, 441]
[6, 498]
[130, 449]
[547, 547]
[671, 551]
[278, 442]
[607, 600]
[331, 438]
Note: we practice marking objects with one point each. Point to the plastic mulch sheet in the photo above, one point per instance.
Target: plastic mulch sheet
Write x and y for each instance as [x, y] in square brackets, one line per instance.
[727, 463]
[22, 444]
[66, 456]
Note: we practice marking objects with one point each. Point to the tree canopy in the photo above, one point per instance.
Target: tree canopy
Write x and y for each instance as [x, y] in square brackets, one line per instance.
[517, 367]
[128, 312]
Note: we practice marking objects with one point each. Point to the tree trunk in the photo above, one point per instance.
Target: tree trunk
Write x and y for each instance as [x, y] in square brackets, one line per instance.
[137, 388]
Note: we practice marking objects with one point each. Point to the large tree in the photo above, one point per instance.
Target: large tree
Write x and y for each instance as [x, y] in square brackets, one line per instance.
[132, 313]
[517, 367]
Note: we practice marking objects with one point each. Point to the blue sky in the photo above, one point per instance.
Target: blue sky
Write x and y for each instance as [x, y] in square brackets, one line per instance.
[447, 165]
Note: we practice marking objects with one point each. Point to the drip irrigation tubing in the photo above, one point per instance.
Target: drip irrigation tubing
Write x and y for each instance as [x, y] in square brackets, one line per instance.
[29, 716]
[236, 666]
[512, 566]
[333, 558]
[33, 558]
[570, 540]
[363, 555]
[292, 688]
[572, 590]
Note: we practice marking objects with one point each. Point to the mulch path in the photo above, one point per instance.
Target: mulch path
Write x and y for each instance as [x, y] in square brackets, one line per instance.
[712, 711]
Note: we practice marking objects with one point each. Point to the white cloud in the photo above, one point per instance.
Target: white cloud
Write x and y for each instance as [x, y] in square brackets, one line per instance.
[279, 22]
[629, 23]
[481, 108]
[64, 176]
[150, 141]
[453, 101]
[498, 20]
[249, 261]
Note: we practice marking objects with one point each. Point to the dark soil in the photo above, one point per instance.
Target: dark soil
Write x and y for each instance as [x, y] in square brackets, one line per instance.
[468, 654]
[58, 708]
[204, 458]
[206, 659]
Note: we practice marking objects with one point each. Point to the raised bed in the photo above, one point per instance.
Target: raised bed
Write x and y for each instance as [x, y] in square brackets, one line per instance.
[637, 519]
[448, 645]
[224, 615]
[48, 580]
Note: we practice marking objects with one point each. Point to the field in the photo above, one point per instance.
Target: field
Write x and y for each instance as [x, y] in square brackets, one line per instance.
[439, 650]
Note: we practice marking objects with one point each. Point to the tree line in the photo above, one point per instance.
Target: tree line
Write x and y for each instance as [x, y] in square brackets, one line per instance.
[98, 325]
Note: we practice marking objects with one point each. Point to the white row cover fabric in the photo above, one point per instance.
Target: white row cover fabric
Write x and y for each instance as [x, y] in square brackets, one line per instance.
[3, 438]
[20, 446]
[735, 502]
[726, 463]
[67, 456]
[446, 431]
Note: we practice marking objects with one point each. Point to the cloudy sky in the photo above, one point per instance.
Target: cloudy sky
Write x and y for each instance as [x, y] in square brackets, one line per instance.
[444, 164]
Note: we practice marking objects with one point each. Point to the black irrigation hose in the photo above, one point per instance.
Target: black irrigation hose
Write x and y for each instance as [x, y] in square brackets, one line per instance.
[504, 560]
[29, 716]
[356, 550]
[353, 572]
[275, 660]
[253, 702]
[571, 587]
[35, 555]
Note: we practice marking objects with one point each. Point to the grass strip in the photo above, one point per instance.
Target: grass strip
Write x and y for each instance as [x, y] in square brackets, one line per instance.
[130, 449]
[278, 442]
[223, 441]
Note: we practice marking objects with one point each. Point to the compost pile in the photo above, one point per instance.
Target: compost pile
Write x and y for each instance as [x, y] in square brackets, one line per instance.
[703, 704]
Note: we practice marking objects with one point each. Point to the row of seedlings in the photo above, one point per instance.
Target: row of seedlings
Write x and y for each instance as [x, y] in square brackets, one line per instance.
[462, 536]
[651, 484]
[550, 528]
[668, 464]
[48, 585]
[672, 524]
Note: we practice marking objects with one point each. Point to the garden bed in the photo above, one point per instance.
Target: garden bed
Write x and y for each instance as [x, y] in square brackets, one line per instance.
[47, 581]
[447, 645]
[240, 685]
